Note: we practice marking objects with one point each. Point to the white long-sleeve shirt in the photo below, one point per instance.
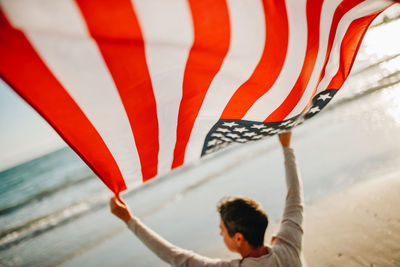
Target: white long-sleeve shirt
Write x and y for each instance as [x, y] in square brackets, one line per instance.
[285, 252]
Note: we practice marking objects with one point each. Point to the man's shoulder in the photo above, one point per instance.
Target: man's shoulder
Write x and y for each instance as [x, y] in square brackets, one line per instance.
[286, 253]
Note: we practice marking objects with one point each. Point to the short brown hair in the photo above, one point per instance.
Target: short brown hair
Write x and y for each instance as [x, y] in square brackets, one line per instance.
[246, 216]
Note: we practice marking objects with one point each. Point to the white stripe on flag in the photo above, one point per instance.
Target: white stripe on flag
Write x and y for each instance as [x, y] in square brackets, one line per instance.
[328, 10]
[168, 36]
[365, 8]
[294, 60]
[59, 35]
[247, 43]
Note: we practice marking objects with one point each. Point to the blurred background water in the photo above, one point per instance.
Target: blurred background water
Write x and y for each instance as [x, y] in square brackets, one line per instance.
[54, 211]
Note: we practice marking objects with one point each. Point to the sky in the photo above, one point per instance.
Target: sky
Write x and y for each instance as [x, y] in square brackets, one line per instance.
[24, 135]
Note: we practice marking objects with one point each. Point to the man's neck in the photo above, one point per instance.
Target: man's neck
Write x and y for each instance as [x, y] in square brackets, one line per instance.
[255, 253]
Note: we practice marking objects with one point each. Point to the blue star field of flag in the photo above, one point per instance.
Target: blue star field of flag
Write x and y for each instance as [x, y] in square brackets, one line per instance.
[226, 131]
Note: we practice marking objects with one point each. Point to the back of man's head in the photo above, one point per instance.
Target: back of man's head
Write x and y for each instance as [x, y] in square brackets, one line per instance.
[246, 216]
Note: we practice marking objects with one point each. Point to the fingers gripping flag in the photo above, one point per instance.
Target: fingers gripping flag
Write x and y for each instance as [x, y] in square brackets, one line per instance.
[139, 87]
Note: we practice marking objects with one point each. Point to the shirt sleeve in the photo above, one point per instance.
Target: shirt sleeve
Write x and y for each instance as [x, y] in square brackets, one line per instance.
[170, 253]
[290, 230]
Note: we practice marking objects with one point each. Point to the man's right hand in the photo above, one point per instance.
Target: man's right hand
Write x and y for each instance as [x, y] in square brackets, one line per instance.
[120, 209]
[284, 138]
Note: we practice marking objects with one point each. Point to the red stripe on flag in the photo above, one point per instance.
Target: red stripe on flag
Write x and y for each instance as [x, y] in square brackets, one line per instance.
[25, 72]
[116, 30]
[349, 48]
[211, 44]
[270, 64]
[314, 8]
[340, 11]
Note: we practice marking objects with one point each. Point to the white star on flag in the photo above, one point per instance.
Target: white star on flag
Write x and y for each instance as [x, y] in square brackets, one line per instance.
[285, 123]
[212, 142]
[217, 135]
[275, 131]
[266, 130]
[249, 134]
[240, 130]
[230, 124]
[258, 126]
[233, 135]
[315, 109]
[223, 130]
[226, 139]
[324, 97]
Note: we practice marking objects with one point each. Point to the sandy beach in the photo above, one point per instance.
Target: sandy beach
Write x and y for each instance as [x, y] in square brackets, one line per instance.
[357, 227]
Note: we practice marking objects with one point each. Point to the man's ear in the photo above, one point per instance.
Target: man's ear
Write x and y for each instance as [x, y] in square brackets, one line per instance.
[239, 238]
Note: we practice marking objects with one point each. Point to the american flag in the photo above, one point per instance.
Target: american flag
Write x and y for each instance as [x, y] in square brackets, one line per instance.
[140, 87]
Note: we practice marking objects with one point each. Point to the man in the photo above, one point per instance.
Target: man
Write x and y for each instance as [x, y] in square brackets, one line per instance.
[243, 224]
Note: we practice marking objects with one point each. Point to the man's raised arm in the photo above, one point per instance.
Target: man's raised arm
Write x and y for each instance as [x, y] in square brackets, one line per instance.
[291, 231]
[168, 252]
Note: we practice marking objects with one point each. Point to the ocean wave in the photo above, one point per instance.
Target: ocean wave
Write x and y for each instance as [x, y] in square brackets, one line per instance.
[37, 226]
[45, 193]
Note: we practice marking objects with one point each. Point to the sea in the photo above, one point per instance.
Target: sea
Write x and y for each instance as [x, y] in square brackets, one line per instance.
[55, 212]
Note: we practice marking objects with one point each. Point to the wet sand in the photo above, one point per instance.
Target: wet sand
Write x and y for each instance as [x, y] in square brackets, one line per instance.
[357, 227]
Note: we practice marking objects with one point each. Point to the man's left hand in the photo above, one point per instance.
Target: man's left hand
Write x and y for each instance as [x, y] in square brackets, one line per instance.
[120, 209]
